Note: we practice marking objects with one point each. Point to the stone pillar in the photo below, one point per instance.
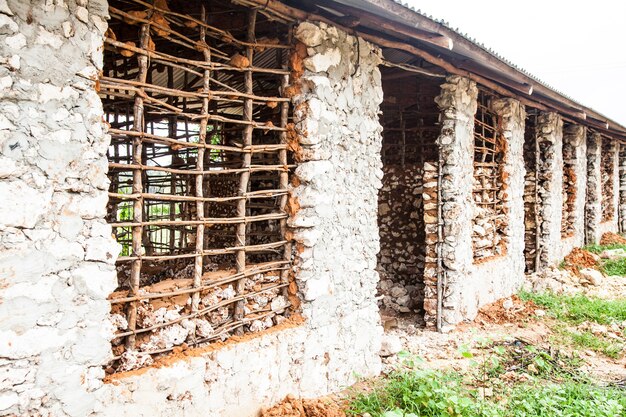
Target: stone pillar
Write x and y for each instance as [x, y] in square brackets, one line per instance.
[457, 102]
[56, 251]
[550, 181]
[339, 174]
[622, 189]
[513, 117]
[593, 204]
[615, 148]
[575, 147]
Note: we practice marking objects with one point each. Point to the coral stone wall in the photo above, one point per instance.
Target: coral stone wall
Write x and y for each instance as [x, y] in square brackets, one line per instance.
[593, 202]
[550, 186]
[468, 286]
[56, 250]
[401, 226]
[622, 188]
[503, 275]
[57, 254]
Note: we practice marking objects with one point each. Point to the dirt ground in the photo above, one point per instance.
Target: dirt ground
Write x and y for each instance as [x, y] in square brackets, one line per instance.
[612, 239]
[295, 407]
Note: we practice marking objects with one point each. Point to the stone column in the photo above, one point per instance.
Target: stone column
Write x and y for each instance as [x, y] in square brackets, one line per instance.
[513, 121]
[593, 204]
[550, 181]
[336, 187]
[615, 148]
[622, 189]
[56, 251]
[457, 102]
[574, 142]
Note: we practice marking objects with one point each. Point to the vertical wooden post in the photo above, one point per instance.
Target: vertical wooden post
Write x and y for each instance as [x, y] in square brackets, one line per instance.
[138, 121]
[197, 276]
[245, 175]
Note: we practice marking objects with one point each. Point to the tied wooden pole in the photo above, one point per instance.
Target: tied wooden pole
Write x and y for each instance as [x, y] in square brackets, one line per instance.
[282, 158]
[245, 175]
[197, 277]
[137, 247]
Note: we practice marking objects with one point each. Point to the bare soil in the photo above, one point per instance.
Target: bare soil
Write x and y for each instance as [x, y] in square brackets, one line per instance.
[612, 239]
[579, 259]
[295, 407]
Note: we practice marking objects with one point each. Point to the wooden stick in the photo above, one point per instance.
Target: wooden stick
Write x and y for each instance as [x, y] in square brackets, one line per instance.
[247, 160]
[137, 234]
[206, 221]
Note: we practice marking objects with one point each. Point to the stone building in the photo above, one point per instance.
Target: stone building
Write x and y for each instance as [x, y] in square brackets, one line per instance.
[208, 204]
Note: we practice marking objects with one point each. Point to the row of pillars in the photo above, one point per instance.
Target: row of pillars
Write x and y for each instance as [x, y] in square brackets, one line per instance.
[464, 286]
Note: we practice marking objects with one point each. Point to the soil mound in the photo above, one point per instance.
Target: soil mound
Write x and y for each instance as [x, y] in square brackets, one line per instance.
[580, 259]
[295, 407]
[507, 310]
[612, 239]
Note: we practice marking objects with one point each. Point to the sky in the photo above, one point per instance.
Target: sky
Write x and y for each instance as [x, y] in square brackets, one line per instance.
[577, 47]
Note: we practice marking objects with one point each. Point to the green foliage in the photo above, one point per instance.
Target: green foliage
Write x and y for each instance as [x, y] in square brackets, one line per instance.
[420, 393]
[575, 309]
[587, 340]
[614, 267]
[568, 399]
[435, 394]
[597, 249]
[578, 308]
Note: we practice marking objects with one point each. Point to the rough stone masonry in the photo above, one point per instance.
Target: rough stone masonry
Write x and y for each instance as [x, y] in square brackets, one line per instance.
[57, 252]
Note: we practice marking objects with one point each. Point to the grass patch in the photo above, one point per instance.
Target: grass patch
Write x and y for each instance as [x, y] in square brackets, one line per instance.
[597, 249]
[614, 267]
[575, 309]
[609, 267]
[589, 340]
[420, 393]
[436, 394]
[568, 399]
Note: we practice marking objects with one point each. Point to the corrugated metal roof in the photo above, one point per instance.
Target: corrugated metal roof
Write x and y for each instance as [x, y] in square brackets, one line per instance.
[469, 47]
[495, 54]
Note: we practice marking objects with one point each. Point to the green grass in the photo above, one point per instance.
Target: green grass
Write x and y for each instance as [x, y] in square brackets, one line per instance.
[614, 267]
[588, 340]
[609, 267]
[568, 399]
[575, 309]
[597, 249]
[436, 394]
[420, 393]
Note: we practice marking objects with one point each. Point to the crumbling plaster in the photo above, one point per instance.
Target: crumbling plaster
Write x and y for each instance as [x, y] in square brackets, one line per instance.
[502, 276]
[56, 251]
[593, 202]
[622, 188]
[57, 258]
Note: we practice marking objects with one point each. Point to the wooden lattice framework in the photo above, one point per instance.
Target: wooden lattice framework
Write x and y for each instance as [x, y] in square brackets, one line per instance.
[195, 96]
[490, 222]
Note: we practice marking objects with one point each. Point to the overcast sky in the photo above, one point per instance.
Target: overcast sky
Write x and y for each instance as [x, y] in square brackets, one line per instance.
[577, 47]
